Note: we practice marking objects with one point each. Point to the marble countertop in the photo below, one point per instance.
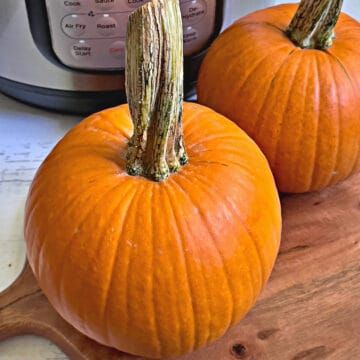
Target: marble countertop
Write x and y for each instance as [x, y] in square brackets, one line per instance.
[27, 135]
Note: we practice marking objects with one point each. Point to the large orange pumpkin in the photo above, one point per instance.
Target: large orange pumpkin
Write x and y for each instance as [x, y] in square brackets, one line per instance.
[294, 89]
[151, 265]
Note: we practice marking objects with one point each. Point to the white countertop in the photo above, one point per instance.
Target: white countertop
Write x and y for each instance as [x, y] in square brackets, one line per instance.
[26, 136]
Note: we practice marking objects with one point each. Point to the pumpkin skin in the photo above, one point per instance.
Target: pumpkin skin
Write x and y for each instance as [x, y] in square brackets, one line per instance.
[153, 269]
[300, 106]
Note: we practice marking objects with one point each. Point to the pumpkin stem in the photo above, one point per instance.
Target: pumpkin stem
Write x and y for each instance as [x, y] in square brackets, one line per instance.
[313, 24]
[154, 86]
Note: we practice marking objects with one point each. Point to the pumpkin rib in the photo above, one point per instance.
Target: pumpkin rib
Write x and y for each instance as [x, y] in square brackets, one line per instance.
[30, 201]
[254, 240]
[276, 14]
[193, 298]
[126, 311]
[273, 161]
[348, 47]
[210, 138]
[46, 240]
[204, 341]
[251, 72]
[277, 164]
[331, 54]
[229, 47]
[235, 64]
[153, 301]
[205, 163]
[58, 156]
[264, 23]
[154, 323]
[203, 135]
[121, 132]
[298, 145]
[302, 133]
[317, 118]
[30, 241]
[195, 130]
[254, 243]
[106, 156]
[256, 126]
[98, 121]
[237, 181]
[117, 138]
[125, 206]
[70, 242]
[336, 121]
[204, 180]
[86, 147]
[185, 263]
[244, 170]
[33, 199]
[348, 31]
[222, 260]
[357, 161]
[81, 310]
[207, 226]
[322, 176]
[177, 331]
[334, 172]
[235, 51]
[194, 115]
[36, 191]
[179, 302]
[35, 250]
[228, 165]
[339, 62]
[201, 158]
[187, 195]
[313, 68]
[357, 158]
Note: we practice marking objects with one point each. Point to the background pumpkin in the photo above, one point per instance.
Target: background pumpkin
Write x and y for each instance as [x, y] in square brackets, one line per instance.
[154, 268]
[298, 99]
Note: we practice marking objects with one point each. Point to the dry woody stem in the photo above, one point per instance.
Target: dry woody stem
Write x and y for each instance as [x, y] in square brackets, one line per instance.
[314, 23]
[154, 85]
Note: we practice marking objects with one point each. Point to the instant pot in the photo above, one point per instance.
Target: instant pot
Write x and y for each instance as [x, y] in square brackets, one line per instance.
[68, 55]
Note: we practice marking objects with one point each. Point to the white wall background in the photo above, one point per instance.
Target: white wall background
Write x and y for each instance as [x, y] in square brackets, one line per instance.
[237, 8]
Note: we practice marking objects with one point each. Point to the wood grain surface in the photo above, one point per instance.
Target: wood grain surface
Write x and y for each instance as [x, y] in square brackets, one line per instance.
[310, 309]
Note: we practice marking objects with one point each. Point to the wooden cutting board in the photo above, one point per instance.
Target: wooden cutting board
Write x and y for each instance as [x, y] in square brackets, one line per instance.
[310, 309]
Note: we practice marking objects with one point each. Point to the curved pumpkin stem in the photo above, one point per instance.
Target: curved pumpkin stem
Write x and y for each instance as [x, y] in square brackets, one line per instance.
[313, 24]
[154, 85]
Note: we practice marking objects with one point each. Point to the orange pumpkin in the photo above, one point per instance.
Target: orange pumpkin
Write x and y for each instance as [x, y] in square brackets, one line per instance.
[294, 89]
[150, 265]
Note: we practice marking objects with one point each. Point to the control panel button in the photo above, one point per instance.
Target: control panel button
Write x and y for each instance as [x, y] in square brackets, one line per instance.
[193, 11]
[117, 49]
[135, 3]
[190, 35]
[81, 50]
[90, 34]
[105, 4]
[106, 25]
[74, 25]
[72, 5]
